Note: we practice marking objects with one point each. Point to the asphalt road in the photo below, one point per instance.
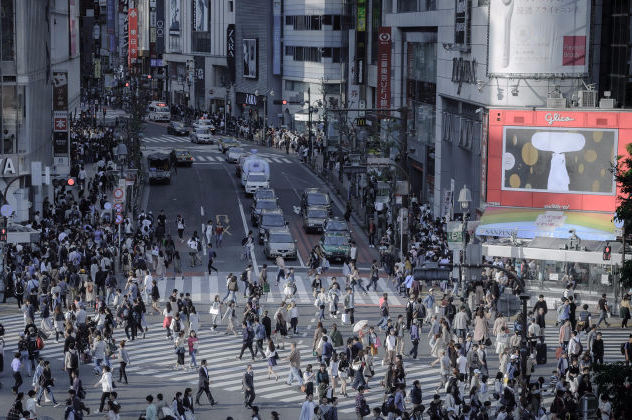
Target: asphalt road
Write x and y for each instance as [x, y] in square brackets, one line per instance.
[210, 189]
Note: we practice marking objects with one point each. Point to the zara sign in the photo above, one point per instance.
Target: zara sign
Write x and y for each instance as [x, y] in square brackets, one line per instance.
[8, 168]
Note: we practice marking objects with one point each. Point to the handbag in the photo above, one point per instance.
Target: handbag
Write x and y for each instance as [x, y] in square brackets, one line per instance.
[488, 342]
[344, 318]
[213, 310]
[266, 287]
[558, 352]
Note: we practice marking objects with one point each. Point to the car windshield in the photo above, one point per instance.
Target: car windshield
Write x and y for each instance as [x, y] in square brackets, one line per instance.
[317, 213]
[183, 153]
[337, 225]
[283, 238]
[266, 205]
[336, 240]
[262, 194]
[201, 131]
[159, 164]
[236, 150]
[178, 125]
[272, 220]
[204, 122]
[257, 178]
[317, 199]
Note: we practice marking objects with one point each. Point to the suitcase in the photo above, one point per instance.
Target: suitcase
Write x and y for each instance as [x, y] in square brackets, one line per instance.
[540, 355]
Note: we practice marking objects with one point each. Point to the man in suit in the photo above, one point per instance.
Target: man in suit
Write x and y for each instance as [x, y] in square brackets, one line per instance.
[203, 385]
[248, 384]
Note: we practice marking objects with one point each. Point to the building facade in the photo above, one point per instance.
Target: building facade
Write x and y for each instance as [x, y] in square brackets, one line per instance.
[196, 37]
[39, 50]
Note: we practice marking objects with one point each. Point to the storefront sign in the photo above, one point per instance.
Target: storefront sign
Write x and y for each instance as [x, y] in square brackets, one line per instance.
[384, 69]
[463, 71]
[462, 22]
[123, 31]
[73, 27]
[246, 99]
[8, 166]
[160, 27]
[60, 91]
[361, 26]
[276, 37]
[551, 118]
[132, 24]
[230, 50]
[111, 10]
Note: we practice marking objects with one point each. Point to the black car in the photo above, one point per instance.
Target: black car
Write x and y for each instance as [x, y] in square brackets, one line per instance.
[314, 197]
[270, 219]
[260, 205]
[314, 218]
[177, 128]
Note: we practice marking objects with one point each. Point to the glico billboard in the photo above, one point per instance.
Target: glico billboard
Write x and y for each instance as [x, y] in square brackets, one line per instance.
[555, 159]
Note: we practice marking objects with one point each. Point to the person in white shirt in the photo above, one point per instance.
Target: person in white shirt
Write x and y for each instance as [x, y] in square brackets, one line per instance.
[106, 386]
[461, 363]
[390, 347]
[147, 286]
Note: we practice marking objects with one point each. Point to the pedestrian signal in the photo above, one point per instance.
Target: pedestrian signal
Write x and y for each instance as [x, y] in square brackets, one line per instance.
[71, 182]
[606, 253]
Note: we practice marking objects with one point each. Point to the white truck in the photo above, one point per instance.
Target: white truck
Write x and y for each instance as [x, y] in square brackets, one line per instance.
[255, 174]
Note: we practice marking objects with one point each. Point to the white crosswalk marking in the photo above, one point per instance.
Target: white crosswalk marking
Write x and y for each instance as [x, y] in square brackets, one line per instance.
[204, 288]
[154, 357]
[167, 139]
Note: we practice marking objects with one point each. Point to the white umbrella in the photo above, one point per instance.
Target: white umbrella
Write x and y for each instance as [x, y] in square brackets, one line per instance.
[360, 325]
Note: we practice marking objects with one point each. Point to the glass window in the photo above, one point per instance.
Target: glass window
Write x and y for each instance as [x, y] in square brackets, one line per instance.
[337, 24]
[6, 25]
[11, 118]
[327, 19]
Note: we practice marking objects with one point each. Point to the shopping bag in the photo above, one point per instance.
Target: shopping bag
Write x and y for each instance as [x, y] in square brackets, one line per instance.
[344, 318]
[266, 287]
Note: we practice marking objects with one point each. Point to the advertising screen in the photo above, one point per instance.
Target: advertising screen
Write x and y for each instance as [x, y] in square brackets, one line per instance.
[555, 159]
[559, 160]
[529, 37]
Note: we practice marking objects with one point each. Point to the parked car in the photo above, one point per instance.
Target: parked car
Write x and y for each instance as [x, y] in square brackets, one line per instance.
[279, 242]
[337, 225]
[177, 128]
[315, 197]
[335, 246]
[264, 193]
[184, 158]
[270, 219]
[225, 143]
[234, 154]
[201, 136]
[204, 123]
[260, 205]
[314, 218]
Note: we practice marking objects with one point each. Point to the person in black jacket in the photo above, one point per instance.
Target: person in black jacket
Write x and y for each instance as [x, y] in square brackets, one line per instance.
[248, 384]
[203, 384]
[415, 395]
[187, 401]
[597, 349]
[540, 309]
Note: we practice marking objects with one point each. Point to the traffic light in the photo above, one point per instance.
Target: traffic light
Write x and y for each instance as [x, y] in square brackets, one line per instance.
[284, 101]
[606, 252]
[126, 84]
[71, 182]
[149, 76]
[3, 229]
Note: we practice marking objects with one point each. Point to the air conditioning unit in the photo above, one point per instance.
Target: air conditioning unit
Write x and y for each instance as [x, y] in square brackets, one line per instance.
[556, 103]
[607, 102]
[587, 98]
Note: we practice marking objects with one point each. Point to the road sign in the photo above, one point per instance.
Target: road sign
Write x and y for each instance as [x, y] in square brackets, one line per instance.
[118, 207]
[455, 235]
[118, 219]
[119, 195]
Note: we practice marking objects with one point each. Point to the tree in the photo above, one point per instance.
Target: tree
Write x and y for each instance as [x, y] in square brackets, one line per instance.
[623, 176]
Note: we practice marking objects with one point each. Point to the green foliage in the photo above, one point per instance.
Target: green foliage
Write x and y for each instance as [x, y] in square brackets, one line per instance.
[609, 378]
[623, 176]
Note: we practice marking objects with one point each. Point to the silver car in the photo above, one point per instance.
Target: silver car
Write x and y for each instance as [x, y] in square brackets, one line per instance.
[234, 153]
[279, 242]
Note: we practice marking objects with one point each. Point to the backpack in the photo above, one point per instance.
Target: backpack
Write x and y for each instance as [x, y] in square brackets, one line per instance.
[250, 333]
[74, 360]
[233, 286]
[19, 288]
[14, 413]
[39, 343]
[244, 241]
[388, 406]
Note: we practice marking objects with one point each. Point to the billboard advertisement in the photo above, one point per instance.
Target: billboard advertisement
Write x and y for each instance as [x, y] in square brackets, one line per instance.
[555, 159]
[73, 27]
[132, 26]
[249, 48]
[200, 15]
[384, 69]
[535, 37]
[174, 17]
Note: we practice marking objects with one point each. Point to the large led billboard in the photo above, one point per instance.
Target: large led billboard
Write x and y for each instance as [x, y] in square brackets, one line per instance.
[555, 159]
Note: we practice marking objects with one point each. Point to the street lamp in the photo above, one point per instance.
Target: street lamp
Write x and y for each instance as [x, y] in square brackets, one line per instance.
[465, 198]
[265, 111]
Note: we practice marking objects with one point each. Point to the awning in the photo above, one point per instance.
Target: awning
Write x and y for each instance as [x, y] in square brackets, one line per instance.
[533, 223]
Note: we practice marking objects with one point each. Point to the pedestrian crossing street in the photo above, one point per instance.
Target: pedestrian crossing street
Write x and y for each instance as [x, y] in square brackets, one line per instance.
[154, 356]
[203, 289]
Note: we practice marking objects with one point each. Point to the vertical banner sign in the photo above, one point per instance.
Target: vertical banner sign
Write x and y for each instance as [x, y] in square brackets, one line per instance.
[462, 22]
[73, 27]
[384, 69]
[174, 17]
[152, 29]
[360, 43]
[160, 27]
[230, 50]
[60, 114]
[123, 35]
[111, 10]
[199, 79]
[276, 37]
[133, 36]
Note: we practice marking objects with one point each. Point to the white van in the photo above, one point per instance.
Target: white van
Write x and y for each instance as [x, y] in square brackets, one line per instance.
[158, 111]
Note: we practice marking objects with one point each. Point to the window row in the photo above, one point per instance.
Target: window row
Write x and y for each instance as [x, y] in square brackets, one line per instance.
[314, 54]
[314, 22]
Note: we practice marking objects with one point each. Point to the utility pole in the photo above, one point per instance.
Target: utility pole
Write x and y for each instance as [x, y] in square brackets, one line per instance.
[309, 123]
